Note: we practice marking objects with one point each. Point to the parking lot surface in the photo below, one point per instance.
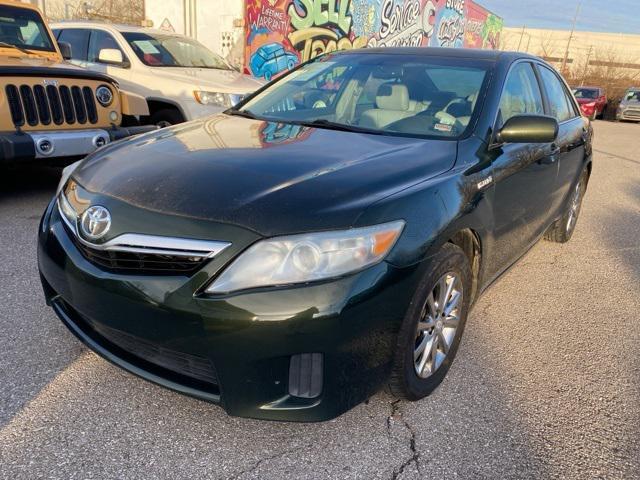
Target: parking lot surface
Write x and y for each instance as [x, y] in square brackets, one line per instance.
[546, 383]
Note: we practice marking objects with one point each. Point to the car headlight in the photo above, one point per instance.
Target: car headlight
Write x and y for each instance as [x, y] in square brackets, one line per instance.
[308, 257]
[66, 210]
[104, 95]
[66, 173]
[213, 98]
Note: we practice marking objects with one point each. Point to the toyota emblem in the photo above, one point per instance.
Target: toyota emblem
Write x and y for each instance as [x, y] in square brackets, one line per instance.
[95, 222]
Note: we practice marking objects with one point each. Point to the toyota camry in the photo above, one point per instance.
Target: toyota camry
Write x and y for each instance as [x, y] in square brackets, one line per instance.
[324, 238]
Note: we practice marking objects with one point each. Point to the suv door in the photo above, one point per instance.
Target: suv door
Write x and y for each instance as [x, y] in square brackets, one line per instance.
[101, 39]
[572, 135]
[524, 175]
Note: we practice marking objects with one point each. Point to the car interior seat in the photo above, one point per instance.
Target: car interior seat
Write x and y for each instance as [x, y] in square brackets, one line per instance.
[392, 104]
[458, 110]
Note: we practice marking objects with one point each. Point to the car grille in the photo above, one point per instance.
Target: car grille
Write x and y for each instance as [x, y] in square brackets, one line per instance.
[138, 263]
[185, 364]
[632, 112]
[43, 105]
[183, 368]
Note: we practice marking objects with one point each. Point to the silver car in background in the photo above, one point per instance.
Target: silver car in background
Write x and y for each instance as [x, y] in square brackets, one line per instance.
[629, 108]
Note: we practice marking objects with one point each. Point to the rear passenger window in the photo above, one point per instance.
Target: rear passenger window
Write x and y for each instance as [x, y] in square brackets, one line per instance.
[521, 95]
[78, 38]
[559, 102]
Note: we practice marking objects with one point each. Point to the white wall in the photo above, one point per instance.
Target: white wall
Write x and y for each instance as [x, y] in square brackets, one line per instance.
[215, 23]
[170, 10]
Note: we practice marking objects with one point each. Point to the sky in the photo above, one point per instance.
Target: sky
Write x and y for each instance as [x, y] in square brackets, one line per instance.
[620, 16]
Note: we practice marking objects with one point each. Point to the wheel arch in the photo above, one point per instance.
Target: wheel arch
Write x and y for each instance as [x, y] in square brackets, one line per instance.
[469, 241]
[157, 103]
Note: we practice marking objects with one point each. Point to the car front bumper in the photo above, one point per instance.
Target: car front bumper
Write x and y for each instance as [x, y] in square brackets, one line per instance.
[307, 353]
[630, 114]
[41, 145]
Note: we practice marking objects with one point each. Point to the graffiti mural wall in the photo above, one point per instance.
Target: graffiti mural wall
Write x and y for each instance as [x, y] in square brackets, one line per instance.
[282, 33]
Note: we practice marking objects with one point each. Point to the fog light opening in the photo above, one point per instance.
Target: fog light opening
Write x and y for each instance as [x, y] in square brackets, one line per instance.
[306, 375]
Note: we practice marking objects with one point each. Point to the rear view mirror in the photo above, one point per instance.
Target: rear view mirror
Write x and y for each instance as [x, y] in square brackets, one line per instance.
[65, 50]
[529, 129]
[111, 56]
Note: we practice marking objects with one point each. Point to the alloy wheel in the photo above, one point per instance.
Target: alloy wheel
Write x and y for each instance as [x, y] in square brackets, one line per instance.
[575, 207]
[438, 323]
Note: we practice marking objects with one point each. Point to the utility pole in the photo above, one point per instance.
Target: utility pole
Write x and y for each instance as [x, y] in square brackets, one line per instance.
[573, 29]
[586, 66]
[521, 35]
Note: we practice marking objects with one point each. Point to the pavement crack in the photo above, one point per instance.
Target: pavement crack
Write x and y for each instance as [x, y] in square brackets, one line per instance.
[260, 461]
[414, 458]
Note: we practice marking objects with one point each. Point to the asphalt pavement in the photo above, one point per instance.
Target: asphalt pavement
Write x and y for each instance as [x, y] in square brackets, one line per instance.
[546, 383]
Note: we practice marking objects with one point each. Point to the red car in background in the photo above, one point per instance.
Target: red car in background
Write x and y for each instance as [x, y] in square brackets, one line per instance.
[592, 100]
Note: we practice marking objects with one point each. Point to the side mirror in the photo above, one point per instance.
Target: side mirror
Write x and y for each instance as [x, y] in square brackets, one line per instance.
[112, 56]
[65, 50]
[529, 129]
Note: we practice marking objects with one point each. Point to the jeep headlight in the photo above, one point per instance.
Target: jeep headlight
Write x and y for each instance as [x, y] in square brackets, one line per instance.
[308, 257]
[218, 99]
[104, 95]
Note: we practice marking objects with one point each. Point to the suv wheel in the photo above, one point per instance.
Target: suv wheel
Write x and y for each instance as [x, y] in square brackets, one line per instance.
[432, 328]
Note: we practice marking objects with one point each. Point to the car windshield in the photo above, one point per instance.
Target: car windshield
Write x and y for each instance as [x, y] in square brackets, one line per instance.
[158, 50]
[589, 93]
[23, 29]
[409, 95]
[632, 96]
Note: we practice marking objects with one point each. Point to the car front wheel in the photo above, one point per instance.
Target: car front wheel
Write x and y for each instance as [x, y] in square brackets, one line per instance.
[433, 325]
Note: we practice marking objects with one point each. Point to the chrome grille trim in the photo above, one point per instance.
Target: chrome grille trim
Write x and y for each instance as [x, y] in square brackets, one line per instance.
[152, 244]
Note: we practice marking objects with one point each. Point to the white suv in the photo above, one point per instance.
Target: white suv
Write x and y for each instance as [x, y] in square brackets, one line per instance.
[180, 78]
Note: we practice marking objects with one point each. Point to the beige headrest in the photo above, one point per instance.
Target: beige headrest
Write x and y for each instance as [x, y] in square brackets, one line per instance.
[392, 96]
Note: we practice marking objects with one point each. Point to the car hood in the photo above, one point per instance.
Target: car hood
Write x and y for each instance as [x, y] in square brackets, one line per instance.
[226, 81]
[583, 101]
[272, 178]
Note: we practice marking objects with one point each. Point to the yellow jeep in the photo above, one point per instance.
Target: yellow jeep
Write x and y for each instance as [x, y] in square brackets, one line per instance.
[50, 108]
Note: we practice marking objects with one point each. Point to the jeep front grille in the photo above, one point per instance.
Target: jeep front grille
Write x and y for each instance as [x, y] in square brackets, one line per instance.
[40, 106]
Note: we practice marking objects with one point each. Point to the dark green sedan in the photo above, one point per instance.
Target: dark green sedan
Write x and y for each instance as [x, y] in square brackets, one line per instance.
[324, 238]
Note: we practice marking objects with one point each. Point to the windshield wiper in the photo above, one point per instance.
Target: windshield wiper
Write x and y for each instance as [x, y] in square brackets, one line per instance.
[11, 45]
[242, 113]
[324, 123]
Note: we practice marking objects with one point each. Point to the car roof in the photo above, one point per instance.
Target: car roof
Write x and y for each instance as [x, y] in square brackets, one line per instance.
[272, 47]
[118, 27]
[442, 52]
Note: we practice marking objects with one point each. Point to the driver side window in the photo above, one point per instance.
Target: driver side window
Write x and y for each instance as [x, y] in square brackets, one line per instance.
[101, 40]
[521, 94]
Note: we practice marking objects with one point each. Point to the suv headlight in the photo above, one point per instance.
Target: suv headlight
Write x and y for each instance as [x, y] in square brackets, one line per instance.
[104, 95]
[308, 257]
[213, 98]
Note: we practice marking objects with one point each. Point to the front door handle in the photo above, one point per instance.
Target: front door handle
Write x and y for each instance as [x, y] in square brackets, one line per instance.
[553, 156]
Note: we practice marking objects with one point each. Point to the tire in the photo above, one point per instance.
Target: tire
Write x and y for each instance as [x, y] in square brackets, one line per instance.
[562, 230]
[450, 263]
[166, 117]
